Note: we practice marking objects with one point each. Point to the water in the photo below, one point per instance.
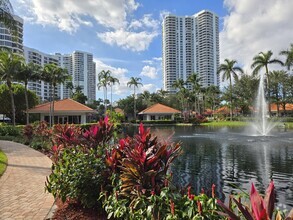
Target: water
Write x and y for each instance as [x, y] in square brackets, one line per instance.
[262, 126]
[231, 159]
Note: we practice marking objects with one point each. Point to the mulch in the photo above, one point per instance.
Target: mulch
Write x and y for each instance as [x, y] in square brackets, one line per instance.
[73, 211]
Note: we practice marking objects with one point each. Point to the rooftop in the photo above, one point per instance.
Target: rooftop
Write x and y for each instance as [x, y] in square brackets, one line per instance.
[159, 108]
[65, 105]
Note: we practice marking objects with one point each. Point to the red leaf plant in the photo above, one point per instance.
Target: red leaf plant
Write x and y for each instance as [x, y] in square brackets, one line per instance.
[143, 163]
[98, 134]
[259, 209]
[67, 135]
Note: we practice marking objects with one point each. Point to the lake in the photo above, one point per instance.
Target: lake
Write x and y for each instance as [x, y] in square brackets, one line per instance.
[232, 160]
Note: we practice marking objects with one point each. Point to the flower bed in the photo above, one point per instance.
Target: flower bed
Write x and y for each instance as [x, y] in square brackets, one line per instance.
[129, 178]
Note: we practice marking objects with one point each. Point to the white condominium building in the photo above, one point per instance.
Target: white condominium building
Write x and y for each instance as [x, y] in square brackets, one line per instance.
[79, 65]
[14, 43]
[42, 89]
[84, 73]
[190, 45]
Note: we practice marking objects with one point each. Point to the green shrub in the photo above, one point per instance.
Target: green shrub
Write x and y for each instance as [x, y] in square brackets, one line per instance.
[160, 122]
[3, 162]
[77, 175]
[9, 131]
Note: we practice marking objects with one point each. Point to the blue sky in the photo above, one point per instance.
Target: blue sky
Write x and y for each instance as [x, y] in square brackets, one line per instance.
[125, 35]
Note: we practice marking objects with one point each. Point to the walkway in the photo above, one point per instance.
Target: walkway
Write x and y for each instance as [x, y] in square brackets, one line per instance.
[22, 187]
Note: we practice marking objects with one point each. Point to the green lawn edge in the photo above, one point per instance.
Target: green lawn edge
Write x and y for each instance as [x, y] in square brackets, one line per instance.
[241, 123]
[225, 123]
[3, 162]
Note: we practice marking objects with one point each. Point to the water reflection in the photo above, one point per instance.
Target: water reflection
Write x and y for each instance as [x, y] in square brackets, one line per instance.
[231, 159]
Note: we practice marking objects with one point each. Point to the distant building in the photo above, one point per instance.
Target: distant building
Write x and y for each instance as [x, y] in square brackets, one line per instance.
[84, 73]
[79, 65]
[190, 45]
[41, 88]
[14, 43]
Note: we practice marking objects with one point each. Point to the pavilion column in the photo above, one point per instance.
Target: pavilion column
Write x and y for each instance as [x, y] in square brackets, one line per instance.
[83, 119]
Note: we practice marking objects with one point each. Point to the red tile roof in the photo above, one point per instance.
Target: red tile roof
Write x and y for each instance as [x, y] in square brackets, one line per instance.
[159, 109]
[65, 105]
[289, 107]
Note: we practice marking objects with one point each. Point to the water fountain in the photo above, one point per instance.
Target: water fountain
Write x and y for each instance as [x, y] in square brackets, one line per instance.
[262, 126]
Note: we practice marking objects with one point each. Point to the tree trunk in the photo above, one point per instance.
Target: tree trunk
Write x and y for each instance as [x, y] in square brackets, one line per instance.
[53, 118]
[231, 106]
[26, 103]
[134, 104]
[111, 99]
[105, 100]
[268, 90]
[12, 102]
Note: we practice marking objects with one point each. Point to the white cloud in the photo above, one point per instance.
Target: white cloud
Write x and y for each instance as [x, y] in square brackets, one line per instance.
[253, 26]
[146, 22]
[149, 71]
[154, 60]
[135, 41]
[119, 73]
[69, 15]
[148, 87]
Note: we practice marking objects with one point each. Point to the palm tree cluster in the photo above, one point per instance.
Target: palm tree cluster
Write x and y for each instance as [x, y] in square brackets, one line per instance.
[135, 82]
[277, 82]
[14, 69]
[193, 96]
[106, 79]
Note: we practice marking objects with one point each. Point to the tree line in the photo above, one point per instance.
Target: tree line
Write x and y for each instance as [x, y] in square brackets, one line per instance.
[240, 93]
[13, 69]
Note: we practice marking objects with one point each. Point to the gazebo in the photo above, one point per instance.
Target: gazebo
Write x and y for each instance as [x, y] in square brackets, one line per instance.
[65, 111]
[158, 112]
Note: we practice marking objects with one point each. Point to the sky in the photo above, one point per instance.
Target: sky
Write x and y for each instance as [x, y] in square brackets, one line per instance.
[125, 36]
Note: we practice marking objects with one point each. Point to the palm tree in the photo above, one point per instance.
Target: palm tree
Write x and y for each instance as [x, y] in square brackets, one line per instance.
[278, 79]
[179, 85]
[112, 81]
[146, 96]
[103, 77]
[262, 60]
[229, 71]
[194, 80]
[162, 93]
[69, 85]
[10, 65]
[28, 72]
[212, 93]
[134, 81]
[54, 75]
[289, 56]
[7, 19]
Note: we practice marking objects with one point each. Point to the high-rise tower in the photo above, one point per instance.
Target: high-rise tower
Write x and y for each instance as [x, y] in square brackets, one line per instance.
[79, 65]
[14, 43]
[190, 45]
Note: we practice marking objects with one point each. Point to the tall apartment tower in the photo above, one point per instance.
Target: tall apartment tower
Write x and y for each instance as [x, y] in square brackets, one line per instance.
[41, 88]
[14, 43]
[191, 45]
[79, 65]
[84, 73]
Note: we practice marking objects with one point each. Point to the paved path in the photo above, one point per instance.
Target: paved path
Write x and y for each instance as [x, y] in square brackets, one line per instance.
[22, 187]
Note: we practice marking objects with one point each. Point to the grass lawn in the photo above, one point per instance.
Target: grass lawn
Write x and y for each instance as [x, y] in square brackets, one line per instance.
[225, 123]
[289, 125]
[239, 123]
[3, 162]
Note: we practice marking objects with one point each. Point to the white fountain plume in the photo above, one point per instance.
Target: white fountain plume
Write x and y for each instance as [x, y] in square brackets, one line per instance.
[261, 125]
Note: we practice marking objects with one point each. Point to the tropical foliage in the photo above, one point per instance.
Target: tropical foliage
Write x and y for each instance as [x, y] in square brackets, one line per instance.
[10, 65]
[135, 82]
[20, 102]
